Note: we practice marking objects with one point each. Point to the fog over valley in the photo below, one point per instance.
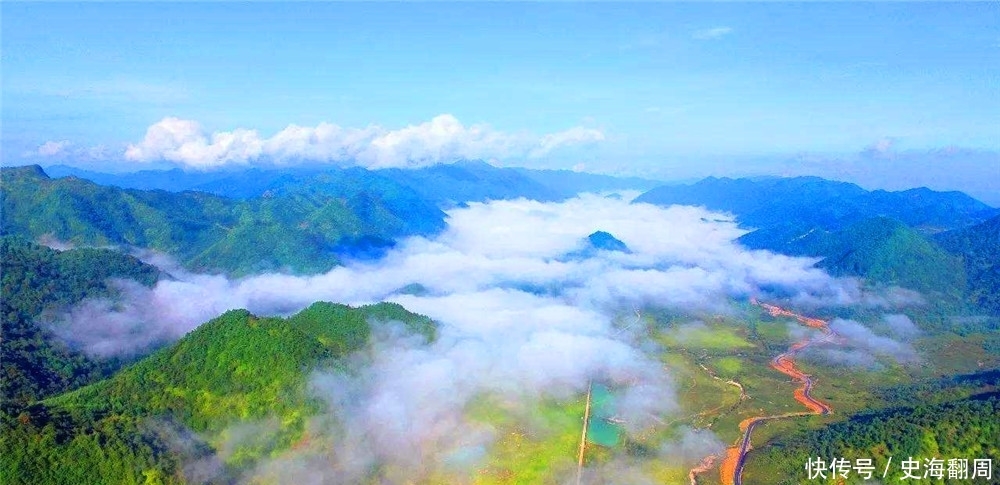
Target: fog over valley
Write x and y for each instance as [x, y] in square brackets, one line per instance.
[538, 243]
[521, 314]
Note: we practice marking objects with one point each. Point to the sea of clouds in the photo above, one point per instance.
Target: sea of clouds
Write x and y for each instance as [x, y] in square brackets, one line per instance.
[517, 317]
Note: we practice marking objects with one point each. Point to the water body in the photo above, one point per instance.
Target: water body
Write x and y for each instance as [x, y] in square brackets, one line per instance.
[601, 430]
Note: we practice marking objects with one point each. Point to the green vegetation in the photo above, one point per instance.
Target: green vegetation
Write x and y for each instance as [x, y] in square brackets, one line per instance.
[538, 448]
[701, 370]
[966, 428]
[886, 251]
[35, 279]
[979, 248]
[883, 237]
[703, 337]
[302, 231]
[727, 367]
[234, 369]
[883, 251]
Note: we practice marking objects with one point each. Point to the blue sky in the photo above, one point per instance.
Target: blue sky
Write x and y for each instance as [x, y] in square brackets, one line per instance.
[641, 88]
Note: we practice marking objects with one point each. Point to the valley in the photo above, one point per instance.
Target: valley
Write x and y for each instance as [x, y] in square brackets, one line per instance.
[588, 351]
[499, 243]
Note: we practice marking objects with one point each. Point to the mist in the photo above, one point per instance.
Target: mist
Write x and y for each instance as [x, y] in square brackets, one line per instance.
[518, 321]
[859, 346]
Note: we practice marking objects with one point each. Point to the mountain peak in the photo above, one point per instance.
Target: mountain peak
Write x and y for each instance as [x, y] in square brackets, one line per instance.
[604, 240]
[474, 164]
[25, 171]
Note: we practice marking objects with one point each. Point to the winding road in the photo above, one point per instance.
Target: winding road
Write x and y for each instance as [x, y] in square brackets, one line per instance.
[732, 466]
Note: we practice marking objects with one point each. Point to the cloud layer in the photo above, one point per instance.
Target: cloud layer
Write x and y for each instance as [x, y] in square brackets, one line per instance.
[857, 345]
[516, 317]
[442, 139]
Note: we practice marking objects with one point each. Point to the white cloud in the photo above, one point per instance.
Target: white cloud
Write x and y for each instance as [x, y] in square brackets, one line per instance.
[883, 148]
[442, 139]
[53, 148]
[573, 136]
[858, 335]
[515, 319]
[680, 256]
[183, 141]
[712, 33]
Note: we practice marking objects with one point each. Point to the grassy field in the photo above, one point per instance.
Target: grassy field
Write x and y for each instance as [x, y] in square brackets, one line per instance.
[710, 357]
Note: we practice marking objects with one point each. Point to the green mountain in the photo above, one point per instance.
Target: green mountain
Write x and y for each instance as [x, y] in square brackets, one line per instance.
[979, 248]
[307, 231]
[964, 429]
[444, 184]
[880, 249]
[605, 241]
[878, 235]
[33, 364]
[235, 369]
[888, 252]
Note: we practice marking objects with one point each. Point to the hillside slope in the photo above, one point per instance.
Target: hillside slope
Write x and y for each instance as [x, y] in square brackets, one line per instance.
[234, 369]
[888, 252]
[883, 237]
[303, 232]
[979, 248]
[33, 364]
[445, 184]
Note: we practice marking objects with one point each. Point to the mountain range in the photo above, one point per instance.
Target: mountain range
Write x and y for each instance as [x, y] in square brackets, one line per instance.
[443, 184]
[236, 368]
[33, 363]
[307, 230]
[170, 414]
[934, 242]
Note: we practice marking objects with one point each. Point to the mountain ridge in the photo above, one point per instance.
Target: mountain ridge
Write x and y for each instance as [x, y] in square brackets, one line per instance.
[302, 232]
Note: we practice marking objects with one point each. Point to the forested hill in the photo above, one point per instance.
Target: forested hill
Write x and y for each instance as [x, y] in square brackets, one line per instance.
[979, 248]
[308, 231]
[235, 370]
[445, 184]
[882, 250]
[914, 238]
[963, 429]
[33, 364]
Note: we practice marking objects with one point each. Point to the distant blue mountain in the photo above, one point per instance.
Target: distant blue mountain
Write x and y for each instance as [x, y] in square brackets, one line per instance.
[594, 243]
[791, 207]
[605, 241]
[446, 185]
[569, 183]
[175, 180]
[471, 181]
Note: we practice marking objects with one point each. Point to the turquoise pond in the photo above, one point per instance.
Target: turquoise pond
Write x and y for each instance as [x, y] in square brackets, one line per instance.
[600, 431]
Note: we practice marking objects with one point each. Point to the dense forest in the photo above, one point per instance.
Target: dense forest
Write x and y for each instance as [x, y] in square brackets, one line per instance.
[943, 244]
[979, 248]
[307, 231]
[237, 368]
[35, 278]
[965, 429]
